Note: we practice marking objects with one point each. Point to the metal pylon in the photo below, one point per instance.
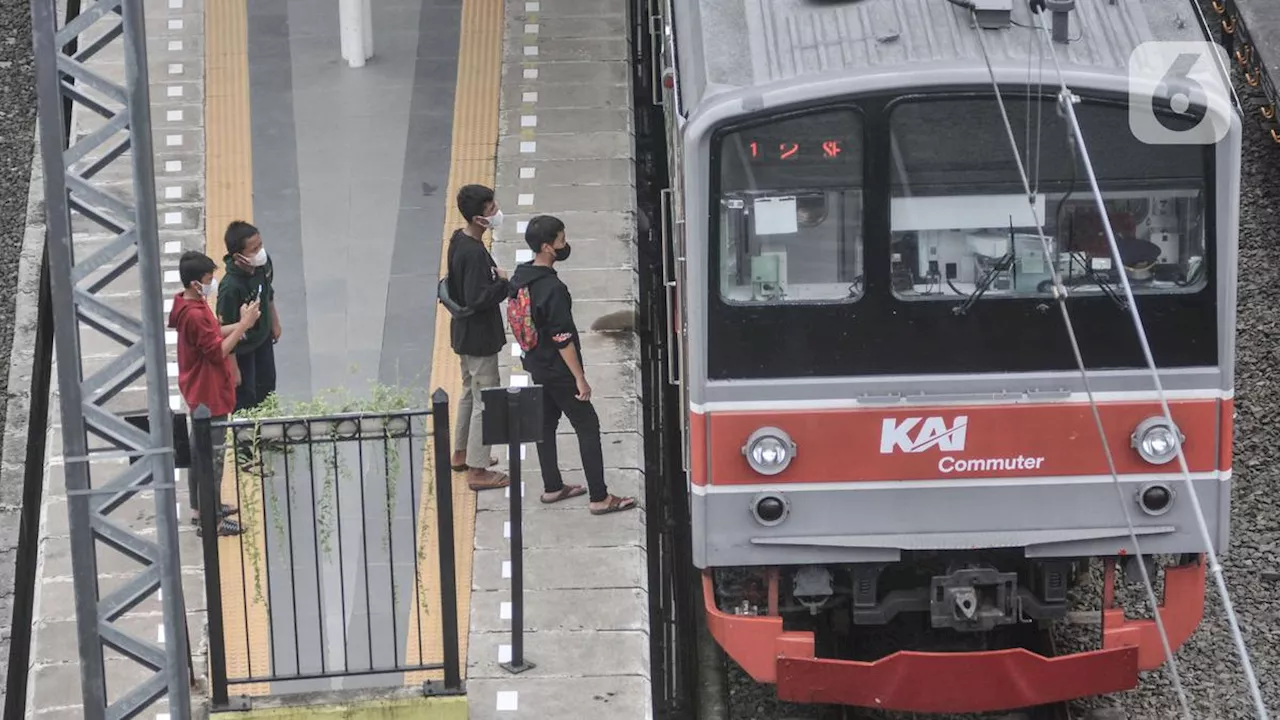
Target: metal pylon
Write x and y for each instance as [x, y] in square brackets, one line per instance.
[115, 231]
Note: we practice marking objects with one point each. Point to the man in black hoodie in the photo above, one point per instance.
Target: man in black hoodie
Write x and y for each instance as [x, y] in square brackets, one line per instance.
[543, 310]
[477, 338]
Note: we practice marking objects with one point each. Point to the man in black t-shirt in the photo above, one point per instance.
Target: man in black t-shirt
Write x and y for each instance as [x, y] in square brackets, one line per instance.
[477, 338]
[555, 363]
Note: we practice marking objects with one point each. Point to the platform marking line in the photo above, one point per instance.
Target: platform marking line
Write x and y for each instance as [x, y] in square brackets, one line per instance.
[524, 199]
[175, 46]
[173, 115]
[174, 91]
[229, 196]
[175, 68]
[173, 247]
[473, 160]
[508, 700]
[173, 140]
[175, 24]
[173, 166]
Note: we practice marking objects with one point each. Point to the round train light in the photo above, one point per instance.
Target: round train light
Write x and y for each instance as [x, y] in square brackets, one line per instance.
[1156, 440]
[769, 451]
[1156, 499]
[769, 508]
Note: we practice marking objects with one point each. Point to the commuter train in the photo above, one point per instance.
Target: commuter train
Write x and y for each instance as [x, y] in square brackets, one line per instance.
[893, 470]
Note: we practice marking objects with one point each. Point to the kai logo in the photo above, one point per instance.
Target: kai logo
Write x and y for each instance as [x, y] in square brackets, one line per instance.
[915, 435]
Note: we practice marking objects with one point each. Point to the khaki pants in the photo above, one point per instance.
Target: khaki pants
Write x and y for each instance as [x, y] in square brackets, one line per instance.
[478, 374]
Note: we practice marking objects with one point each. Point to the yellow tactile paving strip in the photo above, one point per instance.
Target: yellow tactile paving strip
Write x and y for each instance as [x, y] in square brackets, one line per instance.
[229, 196]
[473, 160]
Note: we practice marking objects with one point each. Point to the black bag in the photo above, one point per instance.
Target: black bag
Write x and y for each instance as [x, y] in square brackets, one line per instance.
[442, 294]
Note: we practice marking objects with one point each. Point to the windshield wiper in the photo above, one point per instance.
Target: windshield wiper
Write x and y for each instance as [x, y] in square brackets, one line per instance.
[1003, 264]
[1091, 277]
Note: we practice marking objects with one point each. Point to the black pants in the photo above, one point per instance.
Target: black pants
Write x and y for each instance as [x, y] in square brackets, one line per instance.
[257, 375]
[558, 399]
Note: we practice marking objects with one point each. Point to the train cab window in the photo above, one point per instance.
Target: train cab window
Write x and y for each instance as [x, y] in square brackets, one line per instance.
[791, 210]
[961, 221]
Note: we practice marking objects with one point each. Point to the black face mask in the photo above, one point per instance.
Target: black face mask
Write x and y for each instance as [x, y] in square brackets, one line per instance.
[562, 254]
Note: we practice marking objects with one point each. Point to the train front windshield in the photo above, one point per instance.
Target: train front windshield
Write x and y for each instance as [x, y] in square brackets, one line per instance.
[848, 236]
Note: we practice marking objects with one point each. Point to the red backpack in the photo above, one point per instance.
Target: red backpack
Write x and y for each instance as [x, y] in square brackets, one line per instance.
[520, 318]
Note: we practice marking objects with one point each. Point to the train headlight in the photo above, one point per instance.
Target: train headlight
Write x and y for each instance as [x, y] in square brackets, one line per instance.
[769, 451]
[1156, 440]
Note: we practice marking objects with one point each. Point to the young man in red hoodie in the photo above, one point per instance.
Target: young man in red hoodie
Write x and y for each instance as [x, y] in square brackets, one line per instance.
[207, 372]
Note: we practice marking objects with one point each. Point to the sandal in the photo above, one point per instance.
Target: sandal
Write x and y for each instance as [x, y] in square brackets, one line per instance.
[223, 512]
[616, 504]
[226, 528]
[564, 493]
[479, 480]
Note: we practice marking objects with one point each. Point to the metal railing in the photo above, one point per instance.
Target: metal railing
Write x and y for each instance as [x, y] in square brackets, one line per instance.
[345, 569]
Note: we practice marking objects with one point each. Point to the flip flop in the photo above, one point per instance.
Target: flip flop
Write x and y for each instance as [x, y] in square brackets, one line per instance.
[616, 504]
[564, 493]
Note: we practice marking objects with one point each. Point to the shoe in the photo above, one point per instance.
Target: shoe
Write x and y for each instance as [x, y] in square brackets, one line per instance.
[479, 480]
[226, 528]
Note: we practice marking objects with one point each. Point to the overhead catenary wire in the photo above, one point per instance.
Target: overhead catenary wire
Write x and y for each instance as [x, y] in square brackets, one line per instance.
[1060, 294]
[1215, 567]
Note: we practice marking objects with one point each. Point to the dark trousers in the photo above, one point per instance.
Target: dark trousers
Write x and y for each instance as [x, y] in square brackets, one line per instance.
[257, 375]
[559, 399]
[219, 450]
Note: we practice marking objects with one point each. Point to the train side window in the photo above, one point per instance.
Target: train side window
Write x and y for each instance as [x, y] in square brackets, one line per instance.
[790, 210]
[960, 217]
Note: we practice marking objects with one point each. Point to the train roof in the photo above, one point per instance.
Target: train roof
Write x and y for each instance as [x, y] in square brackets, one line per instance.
[728, 44]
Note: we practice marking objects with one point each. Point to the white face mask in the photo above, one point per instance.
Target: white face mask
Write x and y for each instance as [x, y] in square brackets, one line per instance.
[209, 290]
[494, 221]
[259, 259]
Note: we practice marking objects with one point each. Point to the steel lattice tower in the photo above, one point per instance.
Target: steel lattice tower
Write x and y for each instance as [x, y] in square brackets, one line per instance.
[115, 230]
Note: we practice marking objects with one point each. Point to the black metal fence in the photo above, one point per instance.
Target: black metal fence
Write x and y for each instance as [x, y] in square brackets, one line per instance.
[344, 574]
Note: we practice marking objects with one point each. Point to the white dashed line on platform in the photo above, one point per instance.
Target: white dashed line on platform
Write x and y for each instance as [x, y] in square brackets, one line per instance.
[175, 24]
[508, 700]
[174, 91]
[524, 199]
[173, 115]
[175, 46]
[530, 97]
[528, 121]
[506, 529]
[506, 569]
[504, 611]
[173, 192]
[528, 146]
[173, 166]
[532, 7]
[531, 73]
[504, 653]
[173, 247]
[531, 28]
[175, 68]
[519, 380]
[528, 173]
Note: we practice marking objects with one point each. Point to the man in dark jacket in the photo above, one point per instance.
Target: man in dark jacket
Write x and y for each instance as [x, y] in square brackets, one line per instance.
[248, 279]
[555, 363]
[477, 338]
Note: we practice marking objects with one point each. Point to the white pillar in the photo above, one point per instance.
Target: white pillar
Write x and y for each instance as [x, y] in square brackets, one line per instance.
[356, 31]
[368, 29]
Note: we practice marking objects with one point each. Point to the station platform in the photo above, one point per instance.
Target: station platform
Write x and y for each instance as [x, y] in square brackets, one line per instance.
[350, 175]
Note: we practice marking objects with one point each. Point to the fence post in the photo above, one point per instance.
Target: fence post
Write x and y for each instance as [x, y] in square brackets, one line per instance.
[444, 531]
[513, 416]
[516, 491]
[209, 504]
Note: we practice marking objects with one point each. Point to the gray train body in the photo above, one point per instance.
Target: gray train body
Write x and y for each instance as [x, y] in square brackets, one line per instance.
[730, 62]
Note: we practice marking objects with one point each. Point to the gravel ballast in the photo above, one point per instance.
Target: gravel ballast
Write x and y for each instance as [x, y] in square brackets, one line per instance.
[1208, 663]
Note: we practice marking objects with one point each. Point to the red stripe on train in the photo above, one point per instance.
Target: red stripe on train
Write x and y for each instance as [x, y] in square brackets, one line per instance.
[923, 443]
